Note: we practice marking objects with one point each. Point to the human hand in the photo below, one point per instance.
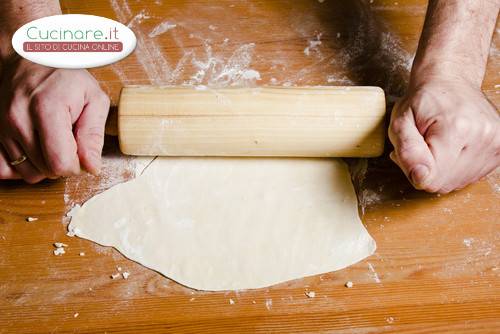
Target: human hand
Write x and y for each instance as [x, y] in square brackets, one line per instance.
[53, 117]
[446, 135]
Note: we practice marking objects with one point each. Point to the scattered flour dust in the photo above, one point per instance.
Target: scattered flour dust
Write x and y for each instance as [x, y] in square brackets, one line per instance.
[115, 169]
[162, 28]
[313, 45]
[211, 68]
[214, 71]
[468, 242]
[494, 180]
[148, 53]
[269, 304]
[374, 274]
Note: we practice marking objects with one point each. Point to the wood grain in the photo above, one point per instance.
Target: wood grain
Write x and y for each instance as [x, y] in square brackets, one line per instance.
[436, 269]
[265, 121]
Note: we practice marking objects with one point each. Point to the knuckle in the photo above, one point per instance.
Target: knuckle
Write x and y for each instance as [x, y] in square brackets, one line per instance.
[41, 103]
[103, 97]
[93, 134]
[397, 125]
[408, 150]
[462, 126]
[13, 119]
[487, 131]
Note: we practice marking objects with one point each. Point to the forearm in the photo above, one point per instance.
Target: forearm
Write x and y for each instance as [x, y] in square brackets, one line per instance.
[455, 41]
[15, 13]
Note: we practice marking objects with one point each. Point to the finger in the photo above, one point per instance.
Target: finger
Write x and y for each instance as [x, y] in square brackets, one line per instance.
[6, 170]
[24, 133]
[89, 132]
[30, 144]
[411, 152]
[54, 126]
[20, 127]
[26, 169]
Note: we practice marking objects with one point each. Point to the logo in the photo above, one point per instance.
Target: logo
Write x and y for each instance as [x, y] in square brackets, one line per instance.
[74, 41]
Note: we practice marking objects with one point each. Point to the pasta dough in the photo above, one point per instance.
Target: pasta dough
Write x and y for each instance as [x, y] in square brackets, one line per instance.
[224, 224]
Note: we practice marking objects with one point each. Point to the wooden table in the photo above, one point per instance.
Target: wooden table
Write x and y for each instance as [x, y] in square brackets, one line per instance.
[436, 268]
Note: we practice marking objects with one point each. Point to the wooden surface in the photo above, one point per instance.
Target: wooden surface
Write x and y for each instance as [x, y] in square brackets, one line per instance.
[436, 268]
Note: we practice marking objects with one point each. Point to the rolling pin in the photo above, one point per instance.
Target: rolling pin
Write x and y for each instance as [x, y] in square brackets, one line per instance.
[266, 121]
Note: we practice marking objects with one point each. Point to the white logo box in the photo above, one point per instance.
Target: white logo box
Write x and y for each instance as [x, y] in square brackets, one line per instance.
[74, 41]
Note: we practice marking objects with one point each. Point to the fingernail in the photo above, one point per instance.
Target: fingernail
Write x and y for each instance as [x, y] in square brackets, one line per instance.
[419, 174]
[95, 165]
[392, 155]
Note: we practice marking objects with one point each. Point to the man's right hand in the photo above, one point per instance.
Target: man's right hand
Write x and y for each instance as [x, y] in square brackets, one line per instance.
[54, 117]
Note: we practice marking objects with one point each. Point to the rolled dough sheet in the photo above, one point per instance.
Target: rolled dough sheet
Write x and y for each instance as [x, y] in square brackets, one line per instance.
[228, 224]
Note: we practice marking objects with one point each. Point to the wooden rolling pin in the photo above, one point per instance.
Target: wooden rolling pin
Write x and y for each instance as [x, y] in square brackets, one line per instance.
[266, 121]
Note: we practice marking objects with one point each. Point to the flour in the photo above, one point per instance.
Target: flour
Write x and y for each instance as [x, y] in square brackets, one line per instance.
[250, 75]
[494, 180]
[115, 169]
[344, 80]
[214, 71]
[120, 74]
[375, 276]
[137, 19]
[313, 45]
[162, 28]
[148, 53]
[468, 242]
[269, 304]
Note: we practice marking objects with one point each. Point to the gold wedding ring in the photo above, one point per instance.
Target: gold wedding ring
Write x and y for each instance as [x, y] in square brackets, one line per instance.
[19, 161]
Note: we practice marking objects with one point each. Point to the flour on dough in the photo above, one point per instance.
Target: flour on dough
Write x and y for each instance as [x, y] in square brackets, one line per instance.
[226, 224]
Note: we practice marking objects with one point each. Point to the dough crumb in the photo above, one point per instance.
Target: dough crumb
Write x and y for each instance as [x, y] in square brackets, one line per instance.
[254, 302]
[119, 268]
[115, 276]
[31, 219]
[73, 232]
[191, 299]
[59, 251]
[125, 274]
[76, 315]
[468, 242]
[389, 320]
[82, 253]
[269, 304]
[310, 294]
[349, 284]
[231, 301]
[60, 245]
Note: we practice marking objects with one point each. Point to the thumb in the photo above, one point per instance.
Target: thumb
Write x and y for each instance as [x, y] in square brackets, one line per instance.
[411, 151]
[89, 131]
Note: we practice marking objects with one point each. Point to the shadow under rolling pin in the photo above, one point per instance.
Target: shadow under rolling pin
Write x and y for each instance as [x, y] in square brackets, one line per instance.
[267, 121]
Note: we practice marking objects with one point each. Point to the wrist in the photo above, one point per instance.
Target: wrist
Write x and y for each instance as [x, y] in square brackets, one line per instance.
[14, 14]
[6, 50]
[453, 69]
